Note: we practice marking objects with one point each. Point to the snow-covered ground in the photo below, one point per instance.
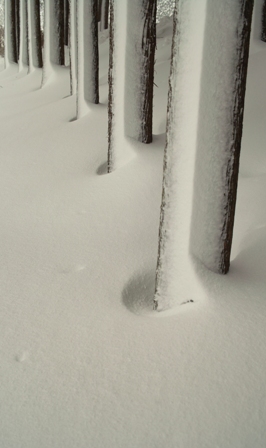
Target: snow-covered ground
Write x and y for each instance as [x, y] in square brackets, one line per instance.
[85, 362]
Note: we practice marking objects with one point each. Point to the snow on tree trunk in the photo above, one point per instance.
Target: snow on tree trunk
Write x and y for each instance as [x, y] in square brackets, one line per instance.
[176, 281]
[263, 22]
[23, 50]
[10, 33]
[200, 179]
[35, 44]
[73, 45]
[131, 70]
[88, 55]
[220, 130]
[53, 53]
[104, 14]
[66, 22]
[17, 7]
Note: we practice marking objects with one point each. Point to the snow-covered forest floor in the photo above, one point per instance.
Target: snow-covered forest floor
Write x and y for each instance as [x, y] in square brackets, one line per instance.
[85, 362]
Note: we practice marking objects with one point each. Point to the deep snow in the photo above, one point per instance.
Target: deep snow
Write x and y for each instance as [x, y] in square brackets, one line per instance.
[84, 360]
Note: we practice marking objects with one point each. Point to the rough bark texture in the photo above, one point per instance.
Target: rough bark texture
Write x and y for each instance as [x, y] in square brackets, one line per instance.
[111, 88]
[59, 12]
[95, 59]
[263, 22]
[237, 126]
[147, 75]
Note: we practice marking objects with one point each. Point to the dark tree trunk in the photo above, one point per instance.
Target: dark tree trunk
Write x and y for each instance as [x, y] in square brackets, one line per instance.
[24, 35]
[11, 11]
[263, 22]
[237, 127]
[148, 51]
[99, 10]
[59, 12]
[73, 46]
[111, 89]
[18, 26]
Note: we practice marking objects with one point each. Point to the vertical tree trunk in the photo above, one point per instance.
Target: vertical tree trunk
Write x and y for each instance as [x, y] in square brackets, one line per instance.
[35, 41]
[263, 22]
[18, 27]
[200, 179]
[53, 36]
[11, 50]
[73, 46]
[23, 50]
[66, 22]
[130, 89]
[88, 55]
[99, 10]
[104, 14]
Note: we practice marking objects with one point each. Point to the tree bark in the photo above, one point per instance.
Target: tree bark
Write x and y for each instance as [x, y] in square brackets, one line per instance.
[11, 50]
[18, 27]
[35, 40]
[263, 22]
[134, 82]
[88, 55]
[66, 22]
[104, 14]
[73, 46]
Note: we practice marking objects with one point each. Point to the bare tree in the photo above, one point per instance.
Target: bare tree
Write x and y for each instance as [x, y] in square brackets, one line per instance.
[202, 150]
[11, 50]
[23, 50]
[73, 45]
[263, 22]
[88, 55]
[35, 39]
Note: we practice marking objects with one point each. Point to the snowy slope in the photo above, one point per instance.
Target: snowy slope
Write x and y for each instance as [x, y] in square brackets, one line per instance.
[84, 360]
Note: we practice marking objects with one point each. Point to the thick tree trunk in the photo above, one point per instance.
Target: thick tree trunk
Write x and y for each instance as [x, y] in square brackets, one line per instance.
[23, 50]
[130, 88]
[88, 55]
[53, 36]
[11, 50]
[200, 181]
[73, 46]
[263, 22]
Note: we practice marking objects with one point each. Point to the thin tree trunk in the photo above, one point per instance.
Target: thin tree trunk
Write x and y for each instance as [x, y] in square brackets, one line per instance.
[18, 27]
[263, 22]
[11, 51]
[73, 46]
[88, 55]
[66, 22]
[23, 51]
[35, 41]
[104, 14]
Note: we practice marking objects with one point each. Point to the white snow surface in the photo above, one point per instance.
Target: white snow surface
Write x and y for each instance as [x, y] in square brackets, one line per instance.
[85, 362]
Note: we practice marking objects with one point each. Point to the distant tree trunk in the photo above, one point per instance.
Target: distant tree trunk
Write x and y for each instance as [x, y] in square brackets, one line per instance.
[263, 22]
[200, 228]
[88, 55]
[35, 40]
[53, 36]
[104, 14]
[18, 27]
[11, 50]
[66, 22]
[73, 46]
[130, 83]
[23, 51]
[99, 9]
